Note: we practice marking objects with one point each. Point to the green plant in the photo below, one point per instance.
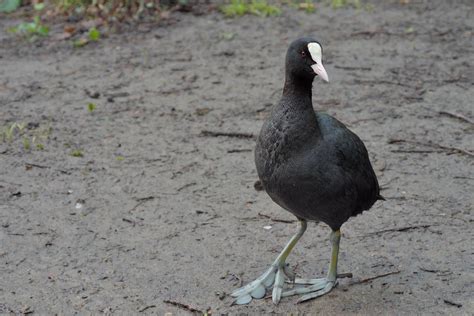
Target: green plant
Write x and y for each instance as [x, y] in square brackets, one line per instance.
[77, 153]
[308, 6]
[9, 6]
[91, 107]
[26, 143]
[120, 158]
[30, 137]
[30, 29]
[235, 8]
[262, 8]
[228, 36]
[94, 34]
[80, 42]
[7, 133]
[76, 5]
[115, 10]
[337, 4]
[255, 7]
[410, 30]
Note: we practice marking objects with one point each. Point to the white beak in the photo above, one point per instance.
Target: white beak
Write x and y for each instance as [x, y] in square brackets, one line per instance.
[318, 69]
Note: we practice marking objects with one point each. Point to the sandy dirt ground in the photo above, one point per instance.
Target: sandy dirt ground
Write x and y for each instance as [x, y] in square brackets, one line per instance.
[158, 213]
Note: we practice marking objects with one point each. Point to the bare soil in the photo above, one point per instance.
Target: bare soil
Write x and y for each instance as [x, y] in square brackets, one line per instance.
[157, 213]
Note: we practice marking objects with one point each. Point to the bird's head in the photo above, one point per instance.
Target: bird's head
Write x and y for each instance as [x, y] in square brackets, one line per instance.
[304, 59]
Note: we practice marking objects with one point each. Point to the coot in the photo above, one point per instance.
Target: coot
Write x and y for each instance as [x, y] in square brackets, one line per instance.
[311, 165]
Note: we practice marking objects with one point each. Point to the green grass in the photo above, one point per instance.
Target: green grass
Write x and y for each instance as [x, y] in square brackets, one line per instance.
[94, 34]
[77, 153]
[357, 4]
[30, 29]
[308, 6]
[77, 5]
[256, 7]
[8, 6]
[7, 133]
[91, 107]
[26, 143]
[30, 136]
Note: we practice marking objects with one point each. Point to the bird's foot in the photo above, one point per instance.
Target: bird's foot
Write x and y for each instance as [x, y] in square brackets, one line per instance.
[316, 288]
[257, 289]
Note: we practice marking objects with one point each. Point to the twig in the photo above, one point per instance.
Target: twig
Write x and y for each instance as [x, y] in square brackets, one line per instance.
[227, 134]
[186, 186]
[415, 151]
[183, 306]
[457, 116]
[146, 198]
[352, 68]
[277, 219]
[31, 165]
[141, 201]
[433, 270]
[433, 145]
[391, 230]
[380, 31]
[369, 33]
[463, 177]
[230, 151]
[452, 303]
[146, 307]
[129, 221]
[375, 277]
[375, 82]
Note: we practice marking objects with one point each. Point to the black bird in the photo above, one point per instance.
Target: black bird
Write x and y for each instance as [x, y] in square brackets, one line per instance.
[311, 165]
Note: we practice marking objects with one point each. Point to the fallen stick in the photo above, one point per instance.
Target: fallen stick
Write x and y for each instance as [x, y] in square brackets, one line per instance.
[31, 165]
[230, 151]
[432, 145]
[368, 33]
[433, 270]
[452, 303]
[146, 307]
[457, 116]
[141, 201]
[376, 82]
[352, 68]
[415, 151]
[277, 219]
[183, 306]
[227, 134]
[375, 277]
[400, 229]
[186, 186]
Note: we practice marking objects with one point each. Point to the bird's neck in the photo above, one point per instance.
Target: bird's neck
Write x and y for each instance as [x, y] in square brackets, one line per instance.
[296, 108]
[298, 87]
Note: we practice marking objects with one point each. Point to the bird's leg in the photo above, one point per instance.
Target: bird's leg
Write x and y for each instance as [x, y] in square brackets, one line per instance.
[319, 287]
[274, 275]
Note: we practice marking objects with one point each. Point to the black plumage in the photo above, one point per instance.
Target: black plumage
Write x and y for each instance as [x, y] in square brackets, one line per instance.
[314, 167]
[309, 163]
